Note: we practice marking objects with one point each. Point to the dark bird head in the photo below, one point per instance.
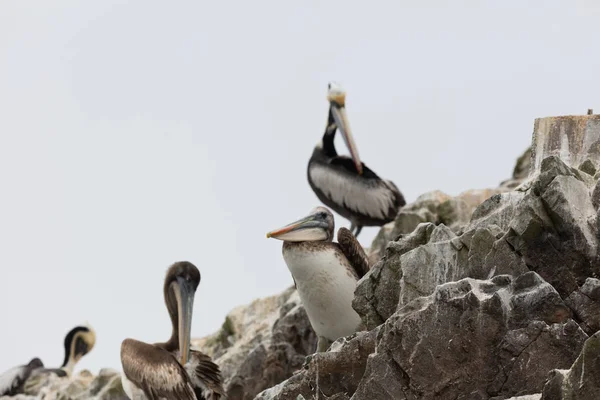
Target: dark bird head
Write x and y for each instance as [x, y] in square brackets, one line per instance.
[339, 119]
[317, 226]
[181, 283]
[78, 342]
[35, 363]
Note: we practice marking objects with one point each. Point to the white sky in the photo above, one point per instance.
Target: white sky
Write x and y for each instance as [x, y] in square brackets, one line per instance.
[138, 133]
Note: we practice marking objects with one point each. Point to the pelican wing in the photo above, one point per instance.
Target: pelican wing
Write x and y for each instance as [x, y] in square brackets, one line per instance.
[155, 371]
[11, 379]
[353, 251]
[365, 194]
[205, 376]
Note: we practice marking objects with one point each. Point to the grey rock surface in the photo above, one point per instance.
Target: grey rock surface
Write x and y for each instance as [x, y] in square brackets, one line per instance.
[585, 303]
[581, 381]
[377, 294]
[334, 373]
[439, 208]
[261, 344]
[104, 386]
[474, 339]
[554, 228]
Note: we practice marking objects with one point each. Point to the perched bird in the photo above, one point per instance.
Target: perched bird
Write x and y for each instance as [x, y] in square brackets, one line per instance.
[171, 370]
[78, 342]
[11, 382]
[325, 273]
[344, 183]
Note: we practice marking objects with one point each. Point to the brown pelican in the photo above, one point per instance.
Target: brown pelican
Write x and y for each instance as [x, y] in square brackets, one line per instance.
[78, 342]
[171, 370]
[325, 273]
[344, 183]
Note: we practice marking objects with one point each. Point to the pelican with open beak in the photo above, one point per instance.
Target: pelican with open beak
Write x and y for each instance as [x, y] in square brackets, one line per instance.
[346, 184]
[325, 273]
[172, 369]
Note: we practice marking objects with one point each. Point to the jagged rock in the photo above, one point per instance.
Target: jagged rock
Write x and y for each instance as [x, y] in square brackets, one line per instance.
[104, 386]
[379, 244]
[523, 165]
[439, 208]
[554, 228]
[585, 303]
[430, 207]
[502, 259]
[334, 373]
[581, 381]
[596, 194]
[377, 293]
[436, 263]
[473, 339]
[454, 212]
[430, 265]
[520, 172]
[549, 227]
[588, 167]
[439, 257]
[498, 210]
[261, 344]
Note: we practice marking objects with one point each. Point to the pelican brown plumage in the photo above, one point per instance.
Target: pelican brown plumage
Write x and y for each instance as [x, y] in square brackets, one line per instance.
[325, 273]
[171, 370]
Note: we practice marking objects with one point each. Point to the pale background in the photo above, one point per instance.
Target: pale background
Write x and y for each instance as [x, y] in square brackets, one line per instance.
[135, 134]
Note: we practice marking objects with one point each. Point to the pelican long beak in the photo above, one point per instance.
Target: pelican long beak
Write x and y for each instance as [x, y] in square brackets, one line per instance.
[305, 229]
[185, 305]
[341, 120]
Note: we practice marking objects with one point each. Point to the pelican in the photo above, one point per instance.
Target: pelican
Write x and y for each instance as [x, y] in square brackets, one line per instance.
[345, 184]
[171, 370]
[11, 382]
[325, 273]
[78, 342]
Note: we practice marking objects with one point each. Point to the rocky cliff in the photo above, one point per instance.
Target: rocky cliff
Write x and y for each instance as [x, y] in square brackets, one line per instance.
[104, 386]
[492, 294]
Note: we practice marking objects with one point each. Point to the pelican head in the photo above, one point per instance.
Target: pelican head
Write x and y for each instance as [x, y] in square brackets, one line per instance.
[317, 226]
[181, 283]
[35, 363]
[78, 342]
[337, 108]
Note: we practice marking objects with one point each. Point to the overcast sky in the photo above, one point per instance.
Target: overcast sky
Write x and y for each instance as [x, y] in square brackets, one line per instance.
[138, 133]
